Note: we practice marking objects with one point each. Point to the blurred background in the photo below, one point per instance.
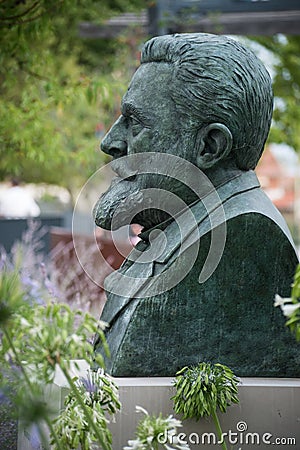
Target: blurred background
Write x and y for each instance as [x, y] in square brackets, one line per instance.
[64, 67]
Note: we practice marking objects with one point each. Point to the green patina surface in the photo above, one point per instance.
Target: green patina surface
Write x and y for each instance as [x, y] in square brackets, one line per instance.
[207, 100]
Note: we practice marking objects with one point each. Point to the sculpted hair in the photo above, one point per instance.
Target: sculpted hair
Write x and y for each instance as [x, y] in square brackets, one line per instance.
[216, 79]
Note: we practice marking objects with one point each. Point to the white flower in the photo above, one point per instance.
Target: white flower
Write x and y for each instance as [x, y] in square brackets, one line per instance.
[279, 301]
[140, 409]
[150, 440]
[172, 422]
[178, 446]
[286, 305]
[154, 430]
[288, 310]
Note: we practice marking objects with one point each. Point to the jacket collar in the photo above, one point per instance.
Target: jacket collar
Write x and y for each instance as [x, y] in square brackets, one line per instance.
[176, 233]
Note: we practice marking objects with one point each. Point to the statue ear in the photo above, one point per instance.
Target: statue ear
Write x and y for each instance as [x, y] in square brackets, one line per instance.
[214, 143]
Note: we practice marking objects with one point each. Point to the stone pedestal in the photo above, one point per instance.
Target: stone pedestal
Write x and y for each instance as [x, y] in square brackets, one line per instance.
[268, 413]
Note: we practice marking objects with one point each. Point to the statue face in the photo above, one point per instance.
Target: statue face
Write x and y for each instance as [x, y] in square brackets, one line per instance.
[149, 123]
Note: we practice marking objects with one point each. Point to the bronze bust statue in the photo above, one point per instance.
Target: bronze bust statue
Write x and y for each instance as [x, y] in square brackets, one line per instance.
[201, 283]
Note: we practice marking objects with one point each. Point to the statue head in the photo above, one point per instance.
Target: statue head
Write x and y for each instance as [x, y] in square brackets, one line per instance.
[203, 97]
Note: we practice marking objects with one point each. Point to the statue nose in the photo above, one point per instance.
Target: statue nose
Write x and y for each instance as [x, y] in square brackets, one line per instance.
[114, 148]
[114, 143]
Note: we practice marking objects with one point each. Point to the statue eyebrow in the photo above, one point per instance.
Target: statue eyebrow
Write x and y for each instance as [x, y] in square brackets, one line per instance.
[128, 109]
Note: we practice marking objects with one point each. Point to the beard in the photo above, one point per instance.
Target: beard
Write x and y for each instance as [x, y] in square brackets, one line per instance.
[128, 201]
[141, 193]
[147, 200]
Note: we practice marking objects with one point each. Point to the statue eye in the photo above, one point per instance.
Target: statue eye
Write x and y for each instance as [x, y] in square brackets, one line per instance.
[136, 126]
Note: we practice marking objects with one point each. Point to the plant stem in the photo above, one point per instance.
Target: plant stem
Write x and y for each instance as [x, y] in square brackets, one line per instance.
[53, 434]
[9, 340]
[85, 409]
[219, 429]
[29, 384]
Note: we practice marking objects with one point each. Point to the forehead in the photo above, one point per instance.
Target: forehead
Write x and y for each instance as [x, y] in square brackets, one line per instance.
[150, 86]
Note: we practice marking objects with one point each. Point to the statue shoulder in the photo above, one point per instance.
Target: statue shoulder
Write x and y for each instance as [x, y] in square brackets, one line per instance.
[254, 206]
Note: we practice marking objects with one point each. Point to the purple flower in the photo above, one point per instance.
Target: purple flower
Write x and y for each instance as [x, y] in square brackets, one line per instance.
[32, 289]
[89, 384]
[51, 288]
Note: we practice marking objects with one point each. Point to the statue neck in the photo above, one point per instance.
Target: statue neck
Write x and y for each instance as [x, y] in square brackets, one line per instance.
[220, 175]
[217, 177]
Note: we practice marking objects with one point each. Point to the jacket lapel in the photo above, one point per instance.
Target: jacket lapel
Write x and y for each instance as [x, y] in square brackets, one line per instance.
[124, 284]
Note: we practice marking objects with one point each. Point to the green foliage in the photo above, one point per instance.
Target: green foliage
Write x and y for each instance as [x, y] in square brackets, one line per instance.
[11, 295]
[286, 85]
[156, 432]
[291, 306]
[44, 335]
[100, 395]
[50, 335]
[38, 337]
[202, 389]
[55, 88]
[294, 320]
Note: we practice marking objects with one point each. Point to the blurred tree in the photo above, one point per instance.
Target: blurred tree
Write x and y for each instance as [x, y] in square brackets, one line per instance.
[286, 85]
[57, 90]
